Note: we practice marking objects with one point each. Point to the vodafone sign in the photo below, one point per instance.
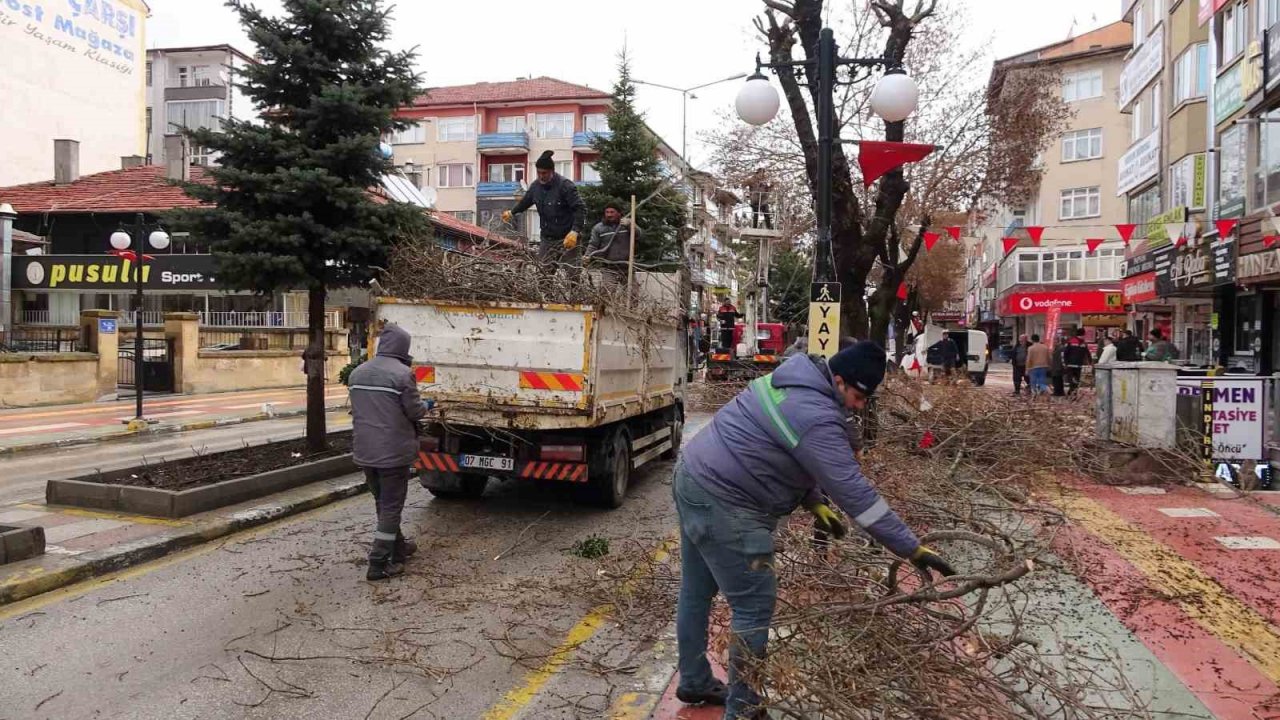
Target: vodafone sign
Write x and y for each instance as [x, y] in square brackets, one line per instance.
[1139, 288]
[1093, 302]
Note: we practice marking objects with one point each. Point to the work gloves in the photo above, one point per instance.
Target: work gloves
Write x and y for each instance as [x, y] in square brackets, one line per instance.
[571, 240]
[826, 520]
[925, 559]
[506, 216]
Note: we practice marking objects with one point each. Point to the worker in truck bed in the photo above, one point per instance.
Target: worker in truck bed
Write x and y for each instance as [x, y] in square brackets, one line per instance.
[610, 245]
[385, 407]
[561, 213]
[776, 446]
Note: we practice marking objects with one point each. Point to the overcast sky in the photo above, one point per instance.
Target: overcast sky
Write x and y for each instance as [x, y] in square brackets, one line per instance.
[681, 43]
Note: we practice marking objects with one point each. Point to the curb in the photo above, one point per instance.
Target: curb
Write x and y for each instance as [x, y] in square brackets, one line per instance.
[156, 430]
[26, 583]
[640, 698]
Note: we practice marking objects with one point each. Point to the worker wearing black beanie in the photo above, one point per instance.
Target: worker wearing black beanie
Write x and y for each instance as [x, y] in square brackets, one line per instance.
[860, 365]
[561, 212]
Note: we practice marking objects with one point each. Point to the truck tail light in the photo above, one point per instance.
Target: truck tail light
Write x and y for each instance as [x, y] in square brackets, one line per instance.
[565, 453]
[428, 443]
[721, 357]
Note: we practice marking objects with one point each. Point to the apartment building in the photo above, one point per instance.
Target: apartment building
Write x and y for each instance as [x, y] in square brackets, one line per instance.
[192, 87]
[471, 148]
[1028, 285]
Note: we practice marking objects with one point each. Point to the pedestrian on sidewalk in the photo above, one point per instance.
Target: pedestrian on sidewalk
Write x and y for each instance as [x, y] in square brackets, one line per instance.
[779, 444]
[1020, 365]
[385, 409]
[1038, 362]
[1108, 354]
[1057, 365]
[1161, 350]
[1074, 357]
[1129, 348]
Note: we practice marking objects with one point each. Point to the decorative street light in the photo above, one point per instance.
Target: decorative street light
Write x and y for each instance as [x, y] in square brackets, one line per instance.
[893, 99]
[127, 241]
[685, 94]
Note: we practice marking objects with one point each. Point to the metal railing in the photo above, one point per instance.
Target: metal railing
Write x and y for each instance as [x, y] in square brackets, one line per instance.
[42, 340]
[149, 317]
[229, 319]
[264, 339]
[35, 317]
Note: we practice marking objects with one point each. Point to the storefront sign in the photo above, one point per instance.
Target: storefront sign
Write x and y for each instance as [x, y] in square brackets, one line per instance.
[1181, 269]
[1239, 412]
[1271, 66]
[1117, 321]
[1140, 265]
[1254, 265]
[1139, 164]
[1038, 303]
[1139, 288]
[1228, 93]
[1187, 181]
[1142, 68]
[1224, 261]
[1251, 75]
[1231, 173]
[106, 272]
[1156, 235]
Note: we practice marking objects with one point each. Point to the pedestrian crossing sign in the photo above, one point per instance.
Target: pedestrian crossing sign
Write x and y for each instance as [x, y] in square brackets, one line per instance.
[824, 318]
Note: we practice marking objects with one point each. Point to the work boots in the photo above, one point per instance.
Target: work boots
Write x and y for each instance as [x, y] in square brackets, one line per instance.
[404, 549]
[383, 563]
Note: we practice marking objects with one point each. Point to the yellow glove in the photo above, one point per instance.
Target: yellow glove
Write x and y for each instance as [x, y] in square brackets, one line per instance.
[506, 216]
[571, 240]
[826, 520]
[925, 559]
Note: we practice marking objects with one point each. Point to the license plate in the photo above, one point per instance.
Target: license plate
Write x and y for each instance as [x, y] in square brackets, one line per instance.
[486, 462]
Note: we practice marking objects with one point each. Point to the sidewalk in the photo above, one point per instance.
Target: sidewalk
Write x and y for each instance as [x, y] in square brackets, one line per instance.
[60, 425]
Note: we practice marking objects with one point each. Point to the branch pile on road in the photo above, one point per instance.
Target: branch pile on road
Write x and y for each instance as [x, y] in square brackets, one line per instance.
[859, 635]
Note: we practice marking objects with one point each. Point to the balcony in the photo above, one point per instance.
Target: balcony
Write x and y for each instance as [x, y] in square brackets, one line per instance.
[582, 140]
[499, 189]
[508, 143]
[196, 92]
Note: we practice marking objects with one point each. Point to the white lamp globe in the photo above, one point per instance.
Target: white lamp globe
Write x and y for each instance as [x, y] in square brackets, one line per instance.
[757, 101]
[385, 149]
[159, 239]
[895, 97]
[120, 240]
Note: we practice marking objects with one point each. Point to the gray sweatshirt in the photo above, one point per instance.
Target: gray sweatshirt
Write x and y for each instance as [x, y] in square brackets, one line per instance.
[385, 405]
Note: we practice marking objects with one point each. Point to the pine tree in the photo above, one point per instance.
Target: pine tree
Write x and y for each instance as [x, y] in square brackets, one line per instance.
[629, 165]
[290, 202]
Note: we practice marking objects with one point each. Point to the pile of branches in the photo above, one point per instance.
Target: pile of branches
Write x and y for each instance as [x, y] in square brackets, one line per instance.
[860, 635]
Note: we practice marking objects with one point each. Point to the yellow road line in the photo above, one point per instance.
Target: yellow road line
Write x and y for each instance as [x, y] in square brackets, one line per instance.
[518, 698]
[105, 515]
[1197, 594]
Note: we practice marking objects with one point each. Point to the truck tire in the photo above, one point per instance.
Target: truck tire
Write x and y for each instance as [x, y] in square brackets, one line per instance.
[978, 379]
[448, 486]
[612, 473]
[677, 433]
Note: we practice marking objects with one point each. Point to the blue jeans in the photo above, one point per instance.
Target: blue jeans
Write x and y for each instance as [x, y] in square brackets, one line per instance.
[1039, 380]
[727, 549]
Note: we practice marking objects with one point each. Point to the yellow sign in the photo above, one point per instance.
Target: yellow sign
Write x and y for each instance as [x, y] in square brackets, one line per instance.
[824, 318]
[1156, 235]
[1198, 182]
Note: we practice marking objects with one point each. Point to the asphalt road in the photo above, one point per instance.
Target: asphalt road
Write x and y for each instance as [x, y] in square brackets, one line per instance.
[279, 623]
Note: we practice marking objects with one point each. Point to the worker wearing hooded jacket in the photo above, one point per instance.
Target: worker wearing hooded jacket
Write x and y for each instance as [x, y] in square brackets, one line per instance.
[561, 212]
[778, 445]
[385, 407]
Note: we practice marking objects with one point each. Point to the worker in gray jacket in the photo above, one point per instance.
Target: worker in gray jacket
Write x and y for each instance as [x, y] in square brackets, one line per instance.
[385, 407]
[561, 212]
[610, 244]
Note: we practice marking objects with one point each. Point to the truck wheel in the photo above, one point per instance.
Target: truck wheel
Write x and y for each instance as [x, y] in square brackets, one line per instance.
[677, 434]
[609, 483]
[978, 379]
[448, 486]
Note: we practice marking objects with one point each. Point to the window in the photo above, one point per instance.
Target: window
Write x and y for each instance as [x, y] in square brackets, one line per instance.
[1270, 132]
[148, 73]
[148, 121]
[456, 129]
[511, 124]
[565, 169]
[1080, 203]
[1248, 323]
[1082, 85]
[595, 122]
[1144, 205]
[468, 216]
[1135, 122]
[415, 134]
[1029, 268]
[184, 75]
[1273, 12]
[590, 173]
[1157, 91]
[201, 76]
[555, 125]
[1139, 24]
[506, 172]
[204, 114]
[456, 175]
[1191, 73]
[1234, 32]
[1081, 145]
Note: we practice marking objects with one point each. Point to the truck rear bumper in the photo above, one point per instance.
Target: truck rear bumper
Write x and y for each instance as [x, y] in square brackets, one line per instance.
[524, 469]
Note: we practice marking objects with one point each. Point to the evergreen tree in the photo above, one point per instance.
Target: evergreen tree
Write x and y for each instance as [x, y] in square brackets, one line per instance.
[629, 165]
[790, 273]
[290, 203]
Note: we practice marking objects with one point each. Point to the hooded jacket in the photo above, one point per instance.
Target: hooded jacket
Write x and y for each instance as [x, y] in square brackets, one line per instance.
[779, 441]
[385, 404]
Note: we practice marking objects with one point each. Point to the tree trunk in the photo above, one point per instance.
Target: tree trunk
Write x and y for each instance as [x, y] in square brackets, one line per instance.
[313, 361]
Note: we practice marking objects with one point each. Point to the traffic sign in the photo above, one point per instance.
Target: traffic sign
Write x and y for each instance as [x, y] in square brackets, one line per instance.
[824, 318]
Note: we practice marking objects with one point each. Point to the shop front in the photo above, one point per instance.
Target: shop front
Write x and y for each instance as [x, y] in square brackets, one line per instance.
[1254, 335]
[1094, 310]
[1185, 280]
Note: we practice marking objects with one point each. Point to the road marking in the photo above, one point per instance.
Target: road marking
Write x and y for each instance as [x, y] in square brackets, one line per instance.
[1189, 512]
[178, 413]
[518, 698]
[1198, 595]
[1142, 490]
[1254, 542]
[119, 405]
[258, 405]
[135, 519]
[41, 428]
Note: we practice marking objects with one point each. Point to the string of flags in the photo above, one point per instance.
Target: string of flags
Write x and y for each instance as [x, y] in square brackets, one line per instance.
[1181, 232]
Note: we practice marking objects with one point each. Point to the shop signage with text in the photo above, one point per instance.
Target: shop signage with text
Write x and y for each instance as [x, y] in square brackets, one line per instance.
[1038, 303]
[1239, 412]
[1139, 164]
[106, 272]
[1228, 94]
[1142, 68]
[1139, 288]
[1156, 235]
[1256, 265]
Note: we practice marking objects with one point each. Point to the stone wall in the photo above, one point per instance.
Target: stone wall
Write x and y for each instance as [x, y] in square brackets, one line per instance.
[226, 370]
[52, 379]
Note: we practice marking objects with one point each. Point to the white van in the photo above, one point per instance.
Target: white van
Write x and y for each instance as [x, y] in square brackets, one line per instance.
[972, 345]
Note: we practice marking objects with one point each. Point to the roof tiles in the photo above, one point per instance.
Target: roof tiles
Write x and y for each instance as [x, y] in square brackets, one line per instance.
[532, 89]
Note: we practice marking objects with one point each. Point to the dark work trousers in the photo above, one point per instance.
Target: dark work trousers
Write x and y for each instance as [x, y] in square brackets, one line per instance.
[389, 487]
[1019, 377]
[1058, 390]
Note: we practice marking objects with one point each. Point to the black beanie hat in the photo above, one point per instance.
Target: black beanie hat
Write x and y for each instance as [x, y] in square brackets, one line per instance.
[861, 365]
[545, 162]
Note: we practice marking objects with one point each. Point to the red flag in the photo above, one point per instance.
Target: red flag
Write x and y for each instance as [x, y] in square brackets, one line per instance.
[1035, 231]
[930, 239]
[1270, 240]
[902, 291]
[954, 232]
[1009, 244]
[1225, 227]
[1126, 232]
[1182, 240]
[877, 157]
[927, 441]
[1093, 243]
[915, 362]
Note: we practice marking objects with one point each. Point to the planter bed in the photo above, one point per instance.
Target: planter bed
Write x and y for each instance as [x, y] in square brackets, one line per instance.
[20, 543]
[205, 482]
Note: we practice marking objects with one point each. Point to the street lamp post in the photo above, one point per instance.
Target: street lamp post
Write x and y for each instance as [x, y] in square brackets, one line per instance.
[685, 94]
[893, 99]
[122, 241]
